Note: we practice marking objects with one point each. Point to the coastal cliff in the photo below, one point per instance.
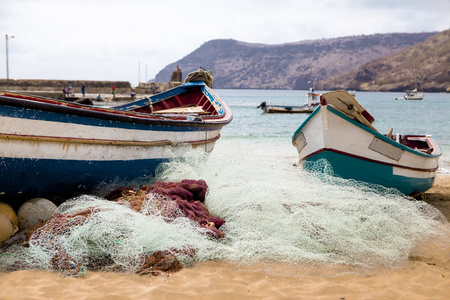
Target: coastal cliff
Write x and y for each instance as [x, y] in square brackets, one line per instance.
[237, 64]
[428, 61]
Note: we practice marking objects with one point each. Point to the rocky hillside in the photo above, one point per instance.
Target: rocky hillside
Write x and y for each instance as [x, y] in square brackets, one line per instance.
[237, 64]
[430, 59]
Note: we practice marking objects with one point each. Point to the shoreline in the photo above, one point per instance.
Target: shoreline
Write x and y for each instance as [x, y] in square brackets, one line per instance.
[439, 195]
[426, 275]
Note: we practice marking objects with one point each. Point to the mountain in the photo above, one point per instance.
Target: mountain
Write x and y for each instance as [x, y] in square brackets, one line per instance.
[238, 64]
[430, 59]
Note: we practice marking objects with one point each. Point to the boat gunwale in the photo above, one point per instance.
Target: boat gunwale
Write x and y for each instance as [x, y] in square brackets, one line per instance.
[65, 107]
[369, 130]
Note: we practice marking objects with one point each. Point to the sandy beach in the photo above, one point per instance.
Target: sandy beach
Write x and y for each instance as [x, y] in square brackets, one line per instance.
[426, 275]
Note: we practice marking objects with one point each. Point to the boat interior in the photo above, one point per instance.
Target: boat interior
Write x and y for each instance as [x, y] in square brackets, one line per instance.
[192, 101]
[422, 143]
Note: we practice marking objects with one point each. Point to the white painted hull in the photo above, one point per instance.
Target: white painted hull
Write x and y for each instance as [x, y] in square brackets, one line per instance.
[358, 152]
[46, 140]
[50, 148]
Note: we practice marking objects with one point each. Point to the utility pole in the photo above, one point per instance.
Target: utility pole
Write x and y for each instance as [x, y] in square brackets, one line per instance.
[139, 72]
[7, 63]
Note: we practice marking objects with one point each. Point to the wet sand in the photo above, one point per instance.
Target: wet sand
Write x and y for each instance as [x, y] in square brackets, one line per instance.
[426, 275]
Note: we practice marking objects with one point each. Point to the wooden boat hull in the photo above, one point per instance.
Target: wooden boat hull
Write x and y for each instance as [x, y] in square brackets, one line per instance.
[56, 149]
[356, 151]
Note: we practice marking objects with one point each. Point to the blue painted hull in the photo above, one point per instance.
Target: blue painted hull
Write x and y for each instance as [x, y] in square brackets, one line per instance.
[353, 168]
[62, 179]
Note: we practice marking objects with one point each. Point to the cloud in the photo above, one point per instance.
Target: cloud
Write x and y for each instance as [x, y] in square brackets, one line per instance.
[109, 39]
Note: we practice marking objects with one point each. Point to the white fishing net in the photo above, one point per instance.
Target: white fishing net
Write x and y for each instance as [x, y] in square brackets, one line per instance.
[274, 211]
[92, 233]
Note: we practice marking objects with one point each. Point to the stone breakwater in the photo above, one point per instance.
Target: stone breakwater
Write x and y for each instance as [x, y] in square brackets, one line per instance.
[44, 85]
[54, 88]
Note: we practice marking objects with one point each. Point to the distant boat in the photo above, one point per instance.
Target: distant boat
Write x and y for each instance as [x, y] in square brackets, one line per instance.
[57, 149]
[414, 94]
[340, 131]
[312, 101]
[313, 98]
[351, 92]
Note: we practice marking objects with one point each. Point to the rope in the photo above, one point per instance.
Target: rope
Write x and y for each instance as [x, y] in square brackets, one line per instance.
[149, 104]
[200, 75]
[206, 136]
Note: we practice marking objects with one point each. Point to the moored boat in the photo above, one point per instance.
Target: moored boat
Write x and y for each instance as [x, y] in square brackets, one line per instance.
[56, 149]
[340, 131]
[413, 95]
[286, 109]
[312, 101]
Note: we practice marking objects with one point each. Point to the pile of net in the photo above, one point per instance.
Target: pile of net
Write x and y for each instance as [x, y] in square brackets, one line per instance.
[200, 75]
[132, 230]
[172, 200]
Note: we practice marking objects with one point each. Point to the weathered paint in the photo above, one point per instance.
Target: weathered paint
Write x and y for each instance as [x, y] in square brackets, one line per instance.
[53, 149]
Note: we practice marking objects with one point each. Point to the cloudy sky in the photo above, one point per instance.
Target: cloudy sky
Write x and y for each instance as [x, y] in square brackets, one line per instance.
[114, 39]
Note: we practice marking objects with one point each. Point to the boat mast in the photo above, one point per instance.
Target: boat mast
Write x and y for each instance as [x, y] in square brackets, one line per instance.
[415, 76]
[311, 88]
[310, 95]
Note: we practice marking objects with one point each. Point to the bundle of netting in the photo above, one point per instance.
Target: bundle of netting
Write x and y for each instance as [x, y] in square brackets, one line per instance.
[147, 231]
[200, 75]
[277, 212]
[171, 200]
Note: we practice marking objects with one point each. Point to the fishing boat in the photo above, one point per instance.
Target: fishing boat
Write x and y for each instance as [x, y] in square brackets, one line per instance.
[340, 132]
[56, 149]
[312, 101]
[287, 109]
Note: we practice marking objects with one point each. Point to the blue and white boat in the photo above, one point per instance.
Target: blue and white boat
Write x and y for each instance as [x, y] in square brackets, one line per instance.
[340, 131]
[56, 149]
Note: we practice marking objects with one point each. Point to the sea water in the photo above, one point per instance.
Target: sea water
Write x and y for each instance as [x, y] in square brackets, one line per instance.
[275, 211]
